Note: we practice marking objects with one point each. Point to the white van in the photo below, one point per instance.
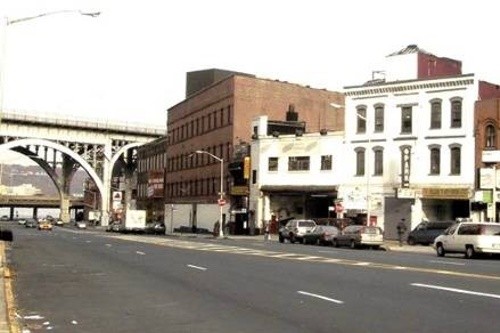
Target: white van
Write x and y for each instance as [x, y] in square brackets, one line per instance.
[469, 238]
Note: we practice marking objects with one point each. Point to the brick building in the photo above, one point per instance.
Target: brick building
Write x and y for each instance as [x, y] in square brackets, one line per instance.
[215, 118]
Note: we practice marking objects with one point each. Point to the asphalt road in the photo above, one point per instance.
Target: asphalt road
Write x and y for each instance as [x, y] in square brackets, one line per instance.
[79, 281]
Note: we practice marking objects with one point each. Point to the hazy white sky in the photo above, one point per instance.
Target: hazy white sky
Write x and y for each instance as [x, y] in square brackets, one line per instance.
[130, 63]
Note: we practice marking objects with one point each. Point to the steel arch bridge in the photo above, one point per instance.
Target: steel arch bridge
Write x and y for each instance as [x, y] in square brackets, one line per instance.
[60, 146]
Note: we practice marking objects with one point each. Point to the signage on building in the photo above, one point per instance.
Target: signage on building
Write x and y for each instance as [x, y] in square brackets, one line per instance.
[155, 183]
[405, 193]
[239, 190]
[117, 196]
[445, 193]
[246, 167]
[491, 156]
[405, 166]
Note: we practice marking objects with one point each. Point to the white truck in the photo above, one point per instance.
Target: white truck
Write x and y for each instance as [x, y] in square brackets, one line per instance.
[135, 221]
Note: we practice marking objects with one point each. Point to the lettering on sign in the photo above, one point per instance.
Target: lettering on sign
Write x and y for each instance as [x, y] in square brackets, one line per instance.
[445, 193]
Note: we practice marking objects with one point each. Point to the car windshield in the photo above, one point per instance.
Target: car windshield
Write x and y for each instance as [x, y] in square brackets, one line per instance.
[490, 230]
[307, 224]
[371, 230]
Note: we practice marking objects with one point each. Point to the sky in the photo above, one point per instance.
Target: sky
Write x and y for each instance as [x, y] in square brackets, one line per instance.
[130, 63]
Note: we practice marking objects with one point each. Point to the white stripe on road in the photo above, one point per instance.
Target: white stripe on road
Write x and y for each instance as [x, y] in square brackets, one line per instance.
[447, 262]
[108, 245]
[461, 291]
[140, 253]
[197, 267]
[320, 297]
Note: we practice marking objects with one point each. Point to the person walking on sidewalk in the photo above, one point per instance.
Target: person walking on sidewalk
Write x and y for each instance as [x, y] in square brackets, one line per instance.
[401, 227]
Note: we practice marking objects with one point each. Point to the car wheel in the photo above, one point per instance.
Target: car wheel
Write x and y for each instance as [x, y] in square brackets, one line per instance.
[292, 238]
[335, 243]
[440, 250]
[352, 244]
[281, 238]
[469, 252]
[411, 241]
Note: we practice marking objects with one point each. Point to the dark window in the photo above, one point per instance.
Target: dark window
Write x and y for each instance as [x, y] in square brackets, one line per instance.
[254, 176]
[379, 118]
[435, 161]
[229, 120]
[326, 162]
[456, 113]
[406, 119]
[455, 161]
[361, 121]
[298, 163]
[490, 137]
[435, 114]
[360, 162]
[272, 164]
[379, 162]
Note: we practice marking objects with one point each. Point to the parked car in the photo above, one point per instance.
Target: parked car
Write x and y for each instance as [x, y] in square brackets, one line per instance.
[321, 234]
[21, 221]
[294, 230]
[31, 223]
[469, 238]
[81, 225]
[59, 222]
[359, 236]
[44, 225]
[4, 218]
[426, 232]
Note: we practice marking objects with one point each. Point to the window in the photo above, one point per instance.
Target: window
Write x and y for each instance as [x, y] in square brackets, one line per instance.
[379, 162]
[490, 137]
[435, 114]
[272, 164]
[254, 176]
[361, 121]
[379, 118]
[456, 113]
[406, 119]
[455, 160]
[435, 161]
[298, 163]
[326, 162]
[360, 162]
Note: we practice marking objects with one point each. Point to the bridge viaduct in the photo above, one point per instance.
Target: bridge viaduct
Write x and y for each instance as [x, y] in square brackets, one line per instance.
[62, 145]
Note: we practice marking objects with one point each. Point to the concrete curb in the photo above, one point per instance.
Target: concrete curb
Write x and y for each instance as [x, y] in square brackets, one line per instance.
[8, 322]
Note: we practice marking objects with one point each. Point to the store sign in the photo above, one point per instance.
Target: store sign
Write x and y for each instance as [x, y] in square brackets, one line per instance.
[445, 193]
[405, 193]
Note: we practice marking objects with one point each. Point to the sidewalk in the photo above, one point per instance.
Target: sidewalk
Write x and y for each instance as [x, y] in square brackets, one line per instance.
[389, 245]
[6, 302]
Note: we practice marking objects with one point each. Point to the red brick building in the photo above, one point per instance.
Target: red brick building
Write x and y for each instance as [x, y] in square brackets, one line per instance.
[215, 118]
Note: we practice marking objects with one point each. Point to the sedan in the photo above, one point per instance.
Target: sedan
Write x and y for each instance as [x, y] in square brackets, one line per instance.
[321, 234]
[360, 236]
[45, 225]
[30, 223]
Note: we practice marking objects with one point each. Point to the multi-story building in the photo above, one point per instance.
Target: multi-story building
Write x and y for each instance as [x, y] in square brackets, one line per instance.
[215, 117]
[411, 141]
[294, 175]
[151, 163]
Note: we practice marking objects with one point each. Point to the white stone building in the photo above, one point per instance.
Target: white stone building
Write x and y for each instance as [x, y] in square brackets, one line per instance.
[293, 175]
[409, 141]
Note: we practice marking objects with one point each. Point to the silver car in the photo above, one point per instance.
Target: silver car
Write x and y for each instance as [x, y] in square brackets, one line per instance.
[295, 230]
[359, 236]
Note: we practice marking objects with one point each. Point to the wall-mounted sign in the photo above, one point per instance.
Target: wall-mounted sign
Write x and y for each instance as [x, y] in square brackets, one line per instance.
[445, 193]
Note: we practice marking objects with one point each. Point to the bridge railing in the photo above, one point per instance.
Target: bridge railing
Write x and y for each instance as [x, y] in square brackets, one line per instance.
[83, 122]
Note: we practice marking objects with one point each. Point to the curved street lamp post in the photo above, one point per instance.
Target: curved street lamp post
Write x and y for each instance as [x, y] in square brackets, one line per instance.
[221, 193]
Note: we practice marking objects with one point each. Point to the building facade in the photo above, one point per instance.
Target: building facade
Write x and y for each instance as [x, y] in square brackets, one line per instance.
[205, 128]
[411, 141]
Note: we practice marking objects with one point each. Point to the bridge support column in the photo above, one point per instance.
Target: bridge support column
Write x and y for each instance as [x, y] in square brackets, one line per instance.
[66, 176]
[35, 213]
[64, 215]
[105, 193]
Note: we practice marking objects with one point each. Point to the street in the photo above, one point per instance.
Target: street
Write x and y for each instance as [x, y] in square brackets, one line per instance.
[84, 281]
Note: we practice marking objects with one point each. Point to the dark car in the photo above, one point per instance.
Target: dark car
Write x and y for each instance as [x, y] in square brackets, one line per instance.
[321, 234]
[31, 223]
[426, 232]
[155, 228]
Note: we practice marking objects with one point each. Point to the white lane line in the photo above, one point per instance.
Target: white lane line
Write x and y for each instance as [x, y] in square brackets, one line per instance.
[108, 245]
[197, 267]
[320, 297]
[461, 291]
[447, 262]
[140, 253]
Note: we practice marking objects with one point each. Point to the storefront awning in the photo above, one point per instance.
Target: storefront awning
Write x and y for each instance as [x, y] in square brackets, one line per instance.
[301, 189]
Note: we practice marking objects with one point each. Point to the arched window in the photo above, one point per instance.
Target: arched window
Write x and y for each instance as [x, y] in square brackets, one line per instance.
[435, 167]
[361, 119]
[379, 161]
[379, 118]
[360, 161]
[490, 136]
[455, 154]
[456, 112]
[435, 114]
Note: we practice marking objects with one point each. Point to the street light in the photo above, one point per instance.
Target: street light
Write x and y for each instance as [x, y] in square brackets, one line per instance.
[221, 194]
[4, 22]
[367, 157]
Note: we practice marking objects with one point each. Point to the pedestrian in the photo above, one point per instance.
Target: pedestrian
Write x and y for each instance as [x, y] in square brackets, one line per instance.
[401, 227]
